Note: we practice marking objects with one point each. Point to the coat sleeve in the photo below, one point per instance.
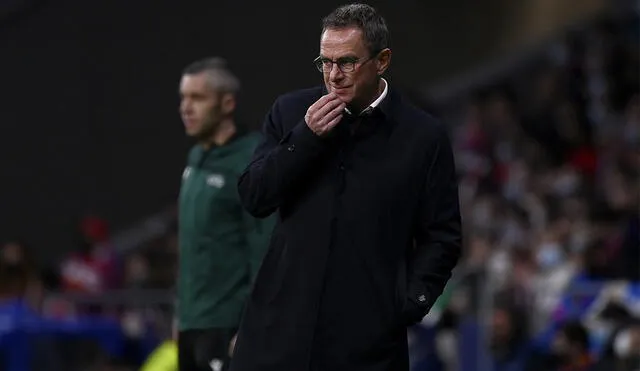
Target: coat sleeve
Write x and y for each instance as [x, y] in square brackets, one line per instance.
[437, 233]
[278, 164]
[257, 234]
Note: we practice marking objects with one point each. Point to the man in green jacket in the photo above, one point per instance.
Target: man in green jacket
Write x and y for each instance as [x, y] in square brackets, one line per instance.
[221, 246]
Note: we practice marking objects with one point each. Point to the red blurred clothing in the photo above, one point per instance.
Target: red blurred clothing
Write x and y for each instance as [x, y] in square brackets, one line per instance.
[585, 160]
[585, 363]
[90, 272]
[95, 268]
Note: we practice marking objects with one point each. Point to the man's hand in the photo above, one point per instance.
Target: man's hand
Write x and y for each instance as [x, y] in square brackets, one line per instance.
[324, 114]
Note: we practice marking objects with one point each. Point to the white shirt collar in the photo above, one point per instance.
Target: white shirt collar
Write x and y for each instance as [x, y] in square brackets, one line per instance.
[378, 100]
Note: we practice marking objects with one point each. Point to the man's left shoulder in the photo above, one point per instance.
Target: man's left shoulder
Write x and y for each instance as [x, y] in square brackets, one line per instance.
[418, 121]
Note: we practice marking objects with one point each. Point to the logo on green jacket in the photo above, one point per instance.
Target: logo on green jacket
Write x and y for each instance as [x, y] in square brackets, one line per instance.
[215, 180]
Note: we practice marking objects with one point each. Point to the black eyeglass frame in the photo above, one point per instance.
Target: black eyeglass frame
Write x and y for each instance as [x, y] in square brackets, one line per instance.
[345, 64]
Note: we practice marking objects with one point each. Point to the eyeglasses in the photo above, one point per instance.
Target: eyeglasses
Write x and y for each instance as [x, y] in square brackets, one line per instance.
[345, 64]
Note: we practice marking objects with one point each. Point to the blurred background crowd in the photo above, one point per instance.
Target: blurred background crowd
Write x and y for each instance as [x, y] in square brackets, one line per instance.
[548, 153]
[549, 163]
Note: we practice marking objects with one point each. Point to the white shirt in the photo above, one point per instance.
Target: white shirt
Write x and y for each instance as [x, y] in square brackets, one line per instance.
[378, 100]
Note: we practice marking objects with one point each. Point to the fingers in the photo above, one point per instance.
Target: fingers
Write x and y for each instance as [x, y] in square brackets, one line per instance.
[321, 102]
[322, 106]
[331, 124]
[330, 115]
[328, 107]
[323, 112]
[331, 120]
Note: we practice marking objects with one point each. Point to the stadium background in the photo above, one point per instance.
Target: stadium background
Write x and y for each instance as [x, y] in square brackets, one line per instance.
[92, 146]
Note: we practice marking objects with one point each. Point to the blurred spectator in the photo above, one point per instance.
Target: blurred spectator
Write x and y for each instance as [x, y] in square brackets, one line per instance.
[626, 347]
[16, 253]
[162, 260]
[136, 271]
[446, 340]
[509, 338]
[13, 283]
[93, 267]
[571, 349]
[13, 308]
[621, 350]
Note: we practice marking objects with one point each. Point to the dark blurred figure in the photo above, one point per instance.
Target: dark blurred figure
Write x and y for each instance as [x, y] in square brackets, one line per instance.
[570, 349]
[508, 338]
[13, 282]
[136, 321]
[16, 315]
[447, 341]
[16, 253]
[136, 271]
[155, 266]
[626, 347]
[622, 349]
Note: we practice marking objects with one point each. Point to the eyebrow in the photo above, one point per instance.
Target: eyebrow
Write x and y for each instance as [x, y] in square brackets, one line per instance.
[348, 56]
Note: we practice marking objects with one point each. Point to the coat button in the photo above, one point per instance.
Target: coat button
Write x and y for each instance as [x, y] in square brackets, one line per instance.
[291, 148]
[341, 167]
[422, 298]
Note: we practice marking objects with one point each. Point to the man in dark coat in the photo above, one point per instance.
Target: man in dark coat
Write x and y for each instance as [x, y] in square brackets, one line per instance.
[368, 230]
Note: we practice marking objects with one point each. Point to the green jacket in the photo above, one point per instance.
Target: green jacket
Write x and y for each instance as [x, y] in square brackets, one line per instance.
[221, 245]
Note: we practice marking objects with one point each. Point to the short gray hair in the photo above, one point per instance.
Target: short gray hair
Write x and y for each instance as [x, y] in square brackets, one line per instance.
[364, 17]
[221, 79]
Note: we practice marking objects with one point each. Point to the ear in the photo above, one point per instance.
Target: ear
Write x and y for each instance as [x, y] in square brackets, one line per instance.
[383, 61]
[228, 103]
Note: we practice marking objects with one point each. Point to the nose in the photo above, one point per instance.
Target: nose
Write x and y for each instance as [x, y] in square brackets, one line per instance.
[335, 74]
[184, 106]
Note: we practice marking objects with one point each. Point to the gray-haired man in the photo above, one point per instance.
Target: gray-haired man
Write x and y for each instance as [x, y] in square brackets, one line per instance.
[368, 232]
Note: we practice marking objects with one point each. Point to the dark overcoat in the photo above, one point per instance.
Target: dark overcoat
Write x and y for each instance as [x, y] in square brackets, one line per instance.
[368, 233]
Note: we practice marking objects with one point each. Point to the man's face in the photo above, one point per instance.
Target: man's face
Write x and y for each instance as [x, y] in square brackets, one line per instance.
[560, 345]
[200, 106]
[359, 86]
[12, 253]
[501, 326]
